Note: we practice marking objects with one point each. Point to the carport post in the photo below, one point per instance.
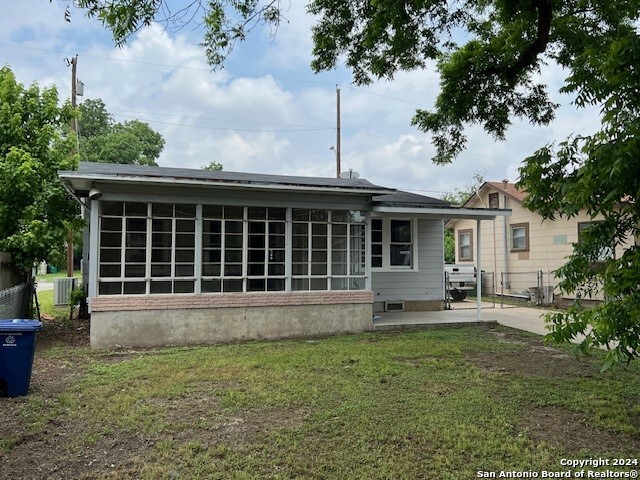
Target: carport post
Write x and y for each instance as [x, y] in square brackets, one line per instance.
[478, 275]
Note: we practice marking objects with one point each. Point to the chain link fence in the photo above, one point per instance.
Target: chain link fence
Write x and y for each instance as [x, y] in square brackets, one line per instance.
[456, 299]
[15, 302]
[519, 289]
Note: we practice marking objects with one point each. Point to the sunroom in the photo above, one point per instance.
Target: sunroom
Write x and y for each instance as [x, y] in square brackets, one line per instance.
[177, 256]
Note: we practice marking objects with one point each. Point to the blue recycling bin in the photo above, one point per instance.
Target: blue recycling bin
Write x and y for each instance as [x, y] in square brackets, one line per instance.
[17, 346]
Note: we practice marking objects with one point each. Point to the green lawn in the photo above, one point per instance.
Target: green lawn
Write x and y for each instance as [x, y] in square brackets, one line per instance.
[440, 404]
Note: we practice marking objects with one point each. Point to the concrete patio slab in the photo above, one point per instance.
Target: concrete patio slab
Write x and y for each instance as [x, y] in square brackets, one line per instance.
[521, 318]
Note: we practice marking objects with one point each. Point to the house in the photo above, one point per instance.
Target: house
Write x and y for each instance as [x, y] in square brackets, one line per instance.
[179, 256]
[521, 249]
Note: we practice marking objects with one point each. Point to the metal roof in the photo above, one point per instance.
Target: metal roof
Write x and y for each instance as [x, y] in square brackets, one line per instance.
[384, 199]
[129, 173]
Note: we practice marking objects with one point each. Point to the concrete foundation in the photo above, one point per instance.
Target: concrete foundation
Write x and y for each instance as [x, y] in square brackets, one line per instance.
[158, 327]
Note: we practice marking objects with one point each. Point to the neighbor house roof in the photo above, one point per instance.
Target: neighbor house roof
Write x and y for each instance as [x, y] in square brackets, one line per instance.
[505, 187]
[87, 173]
[509, 189]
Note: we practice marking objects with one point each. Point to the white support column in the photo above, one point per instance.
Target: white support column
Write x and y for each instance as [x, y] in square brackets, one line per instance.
[94, 237]
[478, 273]
[288, 249]
[198, 250]
[367, 252]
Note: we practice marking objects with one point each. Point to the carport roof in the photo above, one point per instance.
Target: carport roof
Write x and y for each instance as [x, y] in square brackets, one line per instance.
[400, 202]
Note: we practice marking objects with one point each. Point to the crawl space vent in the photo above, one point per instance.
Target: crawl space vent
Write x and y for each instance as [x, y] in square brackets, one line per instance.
[394, 306]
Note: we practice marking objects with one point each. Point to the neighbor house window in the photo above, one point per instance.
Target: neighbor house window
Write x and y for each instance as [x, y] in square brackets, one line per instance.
[606, 253]
[465, 245]
[520, 237]
[393, 243]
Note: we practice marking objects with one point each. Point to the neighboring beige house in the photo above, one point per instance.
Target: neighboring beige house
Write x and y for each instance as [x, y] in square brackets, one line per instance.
[516, 247]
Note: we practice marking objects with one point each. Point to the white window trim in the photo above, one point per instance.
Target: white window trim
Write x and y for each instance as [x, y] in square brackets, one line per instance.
[386, 246]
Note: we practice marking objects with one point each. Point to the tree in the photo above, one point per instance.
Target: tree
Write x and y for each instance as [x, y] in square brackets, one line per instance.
[94, 118]
[213, 167]
[103, 140]
[35, 210]
[489, 78]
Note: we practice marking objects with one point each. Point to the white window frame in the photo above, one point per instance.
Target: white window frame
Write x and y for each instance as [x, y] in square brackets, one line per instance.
[525, 236]
[465, 232]
[386, 246]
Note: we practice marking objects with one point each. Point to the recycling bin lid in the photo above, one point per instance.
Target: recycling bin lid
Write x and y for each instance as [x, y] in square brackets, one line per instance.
[20, 325]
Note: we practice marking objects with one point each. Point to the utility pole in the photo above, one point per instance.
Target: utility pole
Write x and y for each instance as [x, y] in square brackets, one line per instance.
[337, 132]
[74, 128]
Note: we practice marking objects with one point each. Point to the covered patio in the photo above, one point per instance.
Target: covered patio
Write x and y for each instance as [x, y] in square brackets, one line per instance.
[422, 207]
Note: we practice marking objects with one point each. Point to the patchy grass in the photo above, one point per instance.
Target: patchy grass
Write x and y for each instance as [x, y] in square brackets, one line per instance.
[425, 404]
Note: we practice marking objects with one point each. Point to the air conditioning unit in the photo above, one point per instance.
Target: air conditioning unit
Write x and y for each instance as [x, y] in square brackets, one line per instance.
[62, 288]
[396, 306]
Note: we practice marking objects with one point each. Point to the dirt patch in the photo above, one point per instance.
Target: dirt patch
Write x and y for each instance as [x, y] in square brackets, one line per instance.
[48, 454]
[572, 432]
[74, 333]
[199, 417]
[534, 359]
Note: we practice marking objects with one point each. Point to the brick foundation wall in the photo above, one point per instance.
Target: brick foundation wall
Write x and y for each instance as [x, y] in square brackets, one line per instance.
[114, 303]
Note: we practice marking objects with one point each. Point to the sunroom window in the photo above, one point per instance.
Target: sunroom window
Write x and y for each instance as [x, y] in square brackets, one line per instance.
[146, 248]
[183, 248]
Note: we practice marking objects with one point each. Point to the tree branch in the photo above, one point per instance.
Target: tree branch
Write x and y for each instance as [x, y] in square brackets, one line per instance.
[529, 56]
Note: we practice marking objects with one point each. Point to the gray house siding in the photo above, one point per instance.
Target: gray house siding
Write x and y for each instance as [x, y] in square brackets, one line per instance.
[421, 289]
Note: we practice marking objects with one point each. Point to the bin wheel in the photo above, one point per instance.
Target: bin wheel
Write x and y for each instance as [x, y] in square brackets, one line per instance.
[458, 295]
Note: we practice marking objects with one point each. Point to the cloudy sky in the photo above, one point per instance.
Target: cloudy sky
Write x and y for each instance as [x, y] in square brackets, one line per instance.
[266, 112]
